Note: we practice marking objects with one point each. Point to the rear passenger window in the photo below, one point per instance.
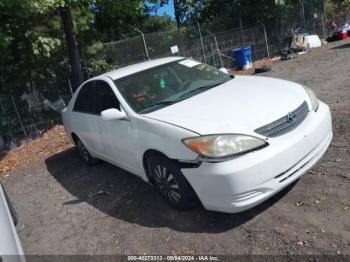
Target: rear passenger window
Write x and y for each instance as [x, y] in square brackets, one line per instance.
[85, 99]
[105, 97]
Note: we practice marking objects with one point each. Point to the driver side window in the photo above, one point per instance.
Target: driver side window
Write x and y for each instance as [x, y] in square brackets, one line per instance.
[85, 99]
[105, 97]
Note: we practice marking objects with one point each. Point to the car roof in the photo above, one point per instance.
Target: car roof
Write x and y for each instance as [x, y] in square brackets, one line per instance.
[132, 69]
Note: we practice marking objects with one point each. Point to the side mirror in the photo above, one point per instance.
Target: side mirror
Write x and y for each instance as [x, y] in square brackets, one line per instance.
[224, 70]
[113, 114]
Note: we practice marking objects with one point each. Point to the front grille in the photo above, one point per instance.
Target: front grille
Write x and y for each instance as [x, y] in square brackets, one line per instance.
[285, 124]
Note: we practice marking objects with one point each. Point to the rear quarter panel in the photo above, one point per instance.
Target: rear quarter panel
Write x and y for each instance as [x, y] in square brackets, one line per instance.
[66, 115]
[66, 124]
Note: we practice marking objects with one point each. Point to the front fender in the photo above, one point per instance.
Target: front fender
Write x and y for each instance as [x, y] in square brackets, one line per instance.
[163, 137]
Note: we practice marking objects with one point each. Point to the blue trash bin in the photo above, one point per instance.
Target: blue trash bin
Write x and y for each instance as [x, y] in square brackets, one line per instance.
[243, 56]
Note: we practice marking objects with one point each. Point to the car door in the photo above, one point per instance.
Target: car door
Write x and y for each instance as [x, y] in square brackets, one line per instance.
[117, 136]
[84, 118]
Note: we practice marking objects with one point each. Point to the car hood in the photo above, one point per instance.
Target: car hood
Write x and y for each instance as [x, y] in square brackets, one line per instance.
[240, 105]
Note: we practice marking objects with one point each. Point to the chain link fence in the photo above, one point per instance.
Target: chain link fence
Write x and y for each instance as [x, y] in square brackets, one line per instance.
[198, 42]
[213, 48]
[27, 116]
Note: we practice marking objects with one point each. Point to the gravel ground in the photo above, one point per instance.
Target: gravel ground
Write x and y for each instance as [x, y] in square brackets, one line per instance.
[65, 207]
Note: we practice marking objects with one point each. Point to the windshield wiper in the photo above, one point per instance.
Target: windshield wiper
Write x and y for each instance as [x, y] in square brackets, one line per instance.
[201, 88]
[166, 102]
[160, 103]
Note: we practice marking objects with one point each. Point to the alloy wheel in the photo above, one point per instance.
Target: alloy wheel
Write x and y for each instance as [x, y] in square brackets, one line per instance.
[167, 184]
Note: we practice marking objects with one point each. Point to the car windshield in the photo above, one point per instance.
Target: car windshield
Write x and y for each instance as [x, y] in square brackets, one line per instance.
[157, 87]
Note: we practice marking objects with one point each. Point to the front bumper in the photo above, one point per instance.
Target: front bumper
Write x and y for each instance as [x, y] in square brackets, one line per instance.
[244, 182]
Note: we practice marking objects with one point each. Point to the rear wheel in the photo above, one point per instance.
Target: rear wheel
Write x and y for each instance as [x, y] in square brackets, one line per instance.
[171, 183]
[85, 154]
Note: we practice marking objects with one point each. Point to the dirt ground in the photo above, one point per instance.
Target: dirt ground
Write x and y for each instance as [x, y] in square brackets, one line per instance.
[65, 207]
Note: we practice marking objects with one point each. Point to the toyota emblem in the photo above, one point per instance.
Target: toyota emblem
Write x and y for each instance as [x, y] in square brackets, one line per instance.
[291, 117]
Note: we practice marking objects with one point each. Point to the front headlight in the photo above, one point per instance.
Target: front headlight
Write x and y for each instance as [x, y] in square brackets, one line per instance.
[223, 146]
[313, 98]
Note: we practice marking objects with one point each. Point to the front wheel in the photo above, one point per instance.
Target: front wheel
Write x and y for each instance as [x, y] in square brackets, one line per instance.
[171, 183]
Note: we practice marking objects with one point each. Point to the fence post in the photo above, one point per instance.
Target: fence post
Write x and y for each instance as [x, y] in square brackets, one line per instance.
[70, 86]
[324, 18]
[218, 50]
[144, 42]
[303, 12]
[254, 48]
[241, 27]
[213, 54]
[19, 117]
[145, 45]
[85, 64]
[266, 42]
[201, 39]
[323, 27]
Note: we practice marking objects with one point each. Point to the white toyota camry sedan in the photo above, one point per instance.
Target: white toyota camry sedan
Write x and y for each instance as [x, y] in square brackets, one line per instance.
[198, 134]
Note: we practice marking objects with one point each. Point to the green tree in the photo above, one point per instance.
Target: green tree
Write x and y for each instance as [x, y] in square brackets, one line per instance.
[186, 10]
[63, 7]
[32, 35]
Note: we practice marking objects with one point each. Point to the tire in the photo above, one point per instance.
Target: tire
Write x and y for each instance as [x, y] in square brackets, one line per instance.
[85, 154]
[263, 69]
[171, 183]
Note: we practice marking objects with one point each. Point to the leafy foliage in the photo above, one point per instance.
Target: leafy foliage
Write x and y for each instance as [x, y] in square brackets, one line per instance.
[33, 45]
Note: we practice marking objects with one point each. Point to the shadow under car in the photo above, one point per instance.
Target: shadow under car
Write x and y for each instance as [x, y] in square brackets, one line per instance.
[126, 197]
